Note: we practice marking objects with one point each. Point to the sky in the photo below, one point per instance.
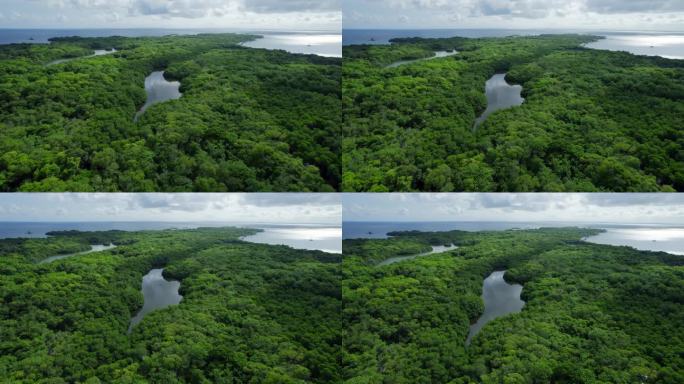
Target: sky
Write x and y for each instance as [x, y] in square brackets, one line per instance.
[621, 208]
[622, 15]
[237, 14]
[277, 208]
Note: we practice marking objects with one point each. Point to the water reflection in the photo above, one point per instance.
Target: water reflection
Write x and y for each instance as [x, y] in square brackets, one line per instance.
[158, 90]
[500, 298]
[329, 45]
[93, 248]
[158, 293]
[326, 239]
[664, 239]
[438, 54]
[97, 52]
[435, 249]
[500, 95]
[668, 46]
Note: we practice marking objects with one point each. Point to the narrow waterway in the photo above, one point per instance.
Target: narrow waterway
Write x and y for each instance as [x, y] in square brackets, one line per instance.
[158, 293]
[97, 52]
[159, 90]
[435, 249]
[500, 299]
[93, 248]
[500, 95]
[438, 54]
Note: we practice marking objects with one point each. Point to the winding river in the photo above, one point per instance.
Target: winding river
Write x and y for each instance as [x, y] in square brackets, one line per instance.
[435, 249]
[158, 90]
[438, 54]
[97, 52]
[500, 95]
[93, 248]
[500, 298]
[158, 293]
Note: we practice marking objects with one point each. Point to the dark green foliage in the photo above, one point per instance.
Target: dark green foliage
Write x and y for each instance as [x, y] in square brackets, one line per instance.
[248, 120]
[591, 121]
[593, 313]
[251, 313]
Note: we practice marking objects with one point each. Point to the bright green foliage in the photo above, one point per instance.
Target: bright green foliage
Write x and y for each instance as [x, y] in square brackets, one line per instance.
[251, 313]
[248, 120]
[593, 313]
[591, 121]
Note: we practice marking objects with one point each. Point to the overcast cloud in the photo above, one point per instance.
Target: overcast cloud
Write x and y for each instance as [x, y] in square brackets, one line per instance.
[581, 207]
[665, 15]
[294, 208]
[238, 14]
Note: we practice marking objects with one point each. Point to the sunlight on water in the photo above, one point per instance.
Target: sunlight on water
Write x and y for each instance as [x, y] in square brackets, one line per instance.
[668, 46]
[329, 45]
[326, 239]
[667, 239]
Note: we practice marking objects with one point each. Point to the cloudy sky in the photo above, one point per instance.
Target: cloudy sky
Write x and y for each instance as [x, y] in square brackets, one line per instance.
[295, 208]
[594, 207]
[665, 15]
[238, 14]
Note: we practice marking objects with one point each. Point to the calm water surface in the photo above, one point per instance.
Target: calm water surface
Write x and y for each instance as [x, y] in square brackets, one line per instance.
[500, 95]
[329, 45]
[158, 293]
[383, 36]
[651, 238]
[435, 249]
[326, 239]
[159, 90]
[670, 46]
[97, 52]
[39, 230]
[379, 230]
[438, 54]
[93, 248]
[500, 299]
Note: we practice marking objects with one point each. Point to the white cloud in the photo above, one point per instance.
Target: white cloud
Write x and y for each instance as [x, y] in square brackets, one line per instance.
[224, 207]
[582, 207]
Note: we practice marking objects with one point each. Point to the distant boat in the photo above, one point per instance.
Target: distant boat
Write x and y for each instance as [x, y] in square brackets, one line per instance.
[28, 232]
[31, 38]
[370, 233]
[372, 39]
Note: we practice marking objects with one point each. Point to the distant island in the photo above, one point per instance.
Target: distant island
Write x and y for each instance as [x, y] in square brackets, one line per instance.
[582, 120]
[219, 116]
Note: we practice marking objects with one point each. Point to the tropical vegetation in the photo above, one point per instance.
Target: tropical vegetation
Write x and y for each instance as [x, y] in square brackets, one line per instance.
[592, 120]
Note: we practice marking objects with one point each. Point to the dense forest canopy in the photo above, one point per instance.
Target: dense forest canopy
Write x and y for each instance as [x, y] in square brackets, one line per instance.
[249, 119]
[592, 120]
[593, 313]
[250, 313]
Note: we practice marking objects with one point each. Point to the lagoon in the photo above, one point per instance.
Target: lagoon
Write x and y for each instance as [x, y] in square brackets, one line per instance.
[500, 299]
[159, 90]
[500, 95]
[158, 293]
